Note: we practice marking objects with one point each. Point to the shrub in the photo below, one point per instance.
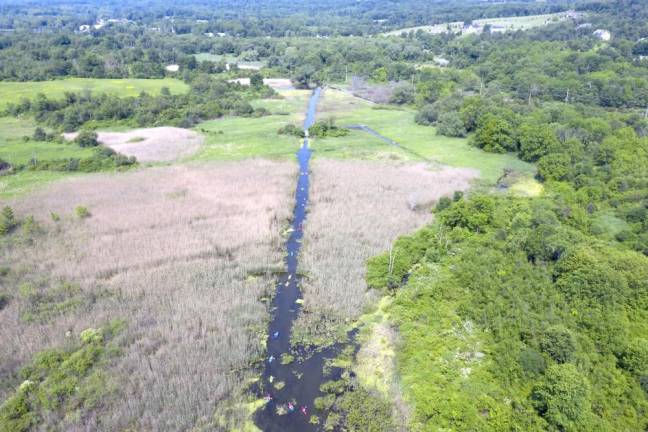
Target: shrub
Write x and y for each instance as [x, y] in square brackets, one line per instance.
[82, 212]
[403, 94]
[39, 134]
[426, 115]
[327, 128]
[532, 362]
[536, 141]
[7, 220]
[91, 335]
[563, 398]
[256, 80]
[4, 165]
[442, 204]
[558, 342]
[450, 124]
[291, 129]
[366, 412]
[474, 214]
[494, 134]
[29, 226]
[634, 357]
[86, 138]
[4, 300]
[554, 166]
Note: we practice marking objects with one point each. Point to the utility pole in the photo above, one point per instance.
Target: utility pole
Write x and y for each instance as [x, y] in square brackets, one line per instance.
[646, 113]
[567, 97]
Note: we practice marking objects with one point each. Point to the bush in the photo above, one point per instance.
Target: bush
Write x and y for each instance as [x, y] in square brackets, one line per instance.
[86, 138]
[474, 214]
[532, 362]
[634, 357]
[82, 212]
[494, 134]
[426, 115]
[536, 141]
[403, 94]
[256, 80]
[39, 134]
[7, 220]
[442, 204]
[366, 412]
[4, 300]
[558, 342]
[450, 124]
[554, 166]
[327, 128]
[563, 399]
[291, 129]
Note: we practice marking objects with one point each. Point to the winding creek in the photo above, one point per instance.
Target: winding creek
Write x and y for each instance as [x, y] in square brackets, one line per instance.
[290, 389]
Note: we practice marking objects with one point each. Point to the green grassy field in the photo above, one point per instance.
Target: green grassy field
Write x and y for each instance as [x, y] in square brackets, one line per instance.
[293, 102]
[15, 150]
[509, 23]
[12, 92]
[12, 186]
[399, 126]
[246, 138]
[255, 137]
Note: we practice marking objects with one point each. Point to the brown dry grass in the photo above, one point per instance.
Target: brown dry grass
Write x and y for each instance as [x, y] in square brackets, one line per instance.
[357, 209]
[160, 144]
[171, 251]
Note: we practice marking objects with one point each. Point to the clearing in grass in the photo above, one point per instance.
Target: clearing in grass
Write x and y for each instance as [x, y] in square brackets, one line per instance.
[161, 144]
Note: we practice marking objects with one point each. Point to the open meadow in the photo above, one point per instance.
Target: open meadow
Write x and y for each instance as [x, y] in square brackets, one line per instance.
[512, 23]
[357, 209]
[15, 149]
[398, 125]
[13, 92]
[182, 255]
[232, 138]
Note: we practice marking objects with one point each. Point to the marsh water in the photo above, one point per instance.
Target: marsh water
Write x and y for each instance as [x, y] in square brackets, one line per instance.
[290, 389]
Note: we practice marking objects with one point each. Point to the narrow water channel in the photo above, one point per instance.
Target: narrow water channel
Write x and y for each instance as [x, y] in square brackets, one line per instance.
[290, 389]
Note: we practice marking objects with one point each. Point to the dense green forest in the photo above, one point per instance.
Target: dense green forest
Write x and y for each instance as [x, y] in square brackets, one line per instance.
[513, 313]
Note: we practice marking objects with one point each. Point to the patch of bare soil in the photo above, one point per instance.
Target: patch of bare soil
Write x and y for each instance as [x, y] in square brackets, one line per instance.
[160, 144]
